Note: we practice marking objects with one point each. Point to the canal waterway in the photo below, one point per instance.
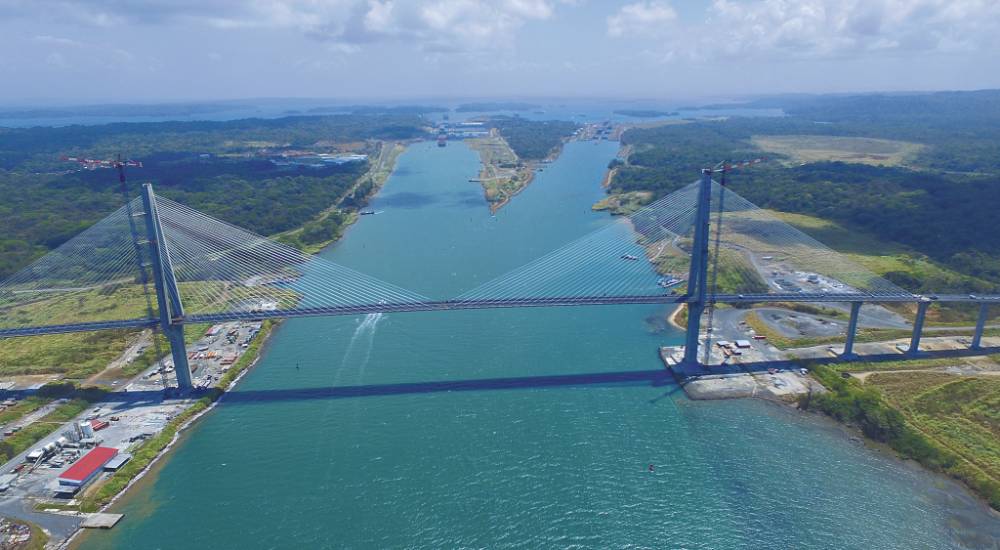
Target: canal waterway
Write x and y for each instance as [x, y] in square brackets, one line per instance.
[538, 428]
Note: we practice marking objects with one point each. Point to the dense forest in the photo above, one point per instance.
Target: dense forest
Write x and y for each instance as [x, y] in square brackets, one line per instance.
[211, 166]
[531, 139]
[943, 204]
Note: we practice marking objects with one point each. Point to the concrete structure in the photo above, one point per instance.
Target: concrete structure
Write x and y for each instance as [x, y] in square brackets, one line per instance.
[852, 329]
[168, 297]
[117, 461]
[172, 315]
[980, 325]
[87, 467]
[101, 521]
[918, 326]
[697, 288]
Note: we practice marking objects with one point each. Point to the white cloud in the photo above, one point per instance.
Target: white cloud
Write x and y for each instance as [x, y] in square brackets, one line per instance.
[809, 29]
[641, 18]
[850, 28]
[434, 25]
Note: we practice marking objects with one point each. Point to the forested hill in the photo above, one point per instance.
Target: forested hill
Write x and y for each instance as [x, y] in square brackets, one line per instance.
[29, 148]
[942, 202]
[963, 127]
[532, 139]
[222, 168]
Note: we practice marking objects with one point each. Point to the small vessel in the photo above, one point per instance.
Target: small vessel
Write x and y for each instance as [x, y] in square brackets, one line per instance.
[442, 140]
[367, 212]
[668, 282]
[629, 257]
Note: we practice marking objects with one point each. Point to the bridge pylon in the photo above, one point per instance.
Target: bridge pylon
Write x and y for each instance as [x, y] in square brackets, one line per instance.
[697, 287]
[168, 298]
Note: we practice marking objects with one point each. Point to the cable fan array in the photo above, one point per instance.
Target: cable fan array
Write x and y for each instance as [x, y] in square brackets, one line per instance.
[762, 254]
[221, 268]
[230, 272]
[616, 260]
[91, 277]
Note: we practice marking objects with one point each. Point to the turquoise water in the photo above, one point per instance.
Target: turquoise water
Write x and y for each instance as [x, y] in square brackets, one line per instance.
[502, 428]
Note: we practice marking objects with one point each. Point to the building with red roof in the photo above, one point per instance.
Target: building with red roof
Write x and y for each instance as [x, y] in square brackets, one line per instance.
[87, 467]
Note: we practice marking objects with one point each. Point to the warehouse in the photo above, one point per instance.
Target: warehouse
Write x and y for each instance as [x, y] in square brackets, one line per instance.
[87, 467]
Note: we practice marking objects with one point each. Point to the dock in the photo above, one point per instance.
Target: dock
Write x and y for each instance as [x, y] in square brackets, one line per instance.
[700, 383]
[101, 521]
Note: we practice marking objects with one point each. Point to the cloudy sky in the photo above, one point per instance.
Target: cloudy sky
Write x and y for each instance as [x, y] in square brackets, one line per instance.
[151, 50]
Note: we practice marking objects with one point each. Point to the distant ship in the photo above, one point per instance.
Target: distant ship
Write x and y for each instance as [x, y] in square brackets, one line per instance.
[629, 257]
[442, 140]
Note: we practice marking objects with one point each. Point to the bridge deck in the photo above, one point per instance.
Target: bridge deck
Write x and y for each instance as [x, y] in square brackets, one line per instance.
[452, 305]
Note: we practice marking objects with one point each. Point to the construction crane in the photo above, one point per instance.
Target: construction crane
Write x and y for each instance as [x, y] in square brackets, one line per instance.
[119, 165]
[721, 168]
[94, 164]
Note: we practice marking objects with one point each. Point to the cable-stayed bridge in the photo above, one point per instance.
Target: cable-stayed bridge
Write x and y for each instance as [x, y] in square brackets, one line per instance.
[677, 250]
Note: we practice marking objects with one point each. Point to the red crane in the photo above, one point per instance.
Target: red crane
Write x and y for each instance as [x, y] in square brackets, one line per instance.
[94, 164]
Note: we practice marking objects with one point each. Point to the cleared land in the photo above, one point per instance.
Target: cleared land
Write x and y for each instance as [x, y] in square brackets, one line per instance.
[79, 355]
[958, 413]
[804, 149]
[624, 203]
[895, 262]
[503, 174]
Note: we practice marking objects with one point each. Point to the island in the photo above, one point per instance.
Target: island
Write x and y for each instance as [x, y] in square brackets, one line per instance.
[512, 150]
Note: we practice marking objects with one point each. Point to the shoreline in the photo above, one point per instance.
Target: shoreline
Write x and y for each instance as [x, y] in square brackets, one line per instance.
[524, 174]
[378, 174]
[160, 459]
[853, 435]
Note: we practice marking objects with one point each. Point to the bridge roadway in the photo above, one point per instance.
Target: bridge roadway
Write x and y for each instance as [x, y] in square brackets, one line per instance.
[506, 303]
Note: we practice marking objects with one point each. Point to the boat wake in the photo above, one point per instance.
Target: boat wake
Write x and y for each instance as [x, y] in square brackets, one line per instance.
[364, 334]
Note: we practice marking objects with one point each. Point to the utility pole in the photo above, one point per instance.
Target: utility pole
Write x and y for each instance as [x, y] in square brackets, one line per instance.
[168, 298]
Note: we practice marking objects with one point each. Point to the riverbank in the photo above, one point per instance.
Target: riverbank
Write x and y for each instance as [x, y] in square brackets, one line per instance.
[369, 184]
[365, 430]
[153, 452]
[867, 408]
[102, 496]
[933, 411]
[502, 174]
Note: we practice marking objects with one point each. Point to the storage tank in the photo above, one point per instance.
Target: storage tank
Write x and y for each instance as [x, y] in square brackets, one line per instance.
[50, 448]
[86, 429]
[73, 435]
[62, 441]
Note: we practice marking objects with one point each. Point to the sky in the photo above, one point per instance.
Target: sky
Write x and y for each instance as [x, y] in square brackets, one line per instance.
[179, 50]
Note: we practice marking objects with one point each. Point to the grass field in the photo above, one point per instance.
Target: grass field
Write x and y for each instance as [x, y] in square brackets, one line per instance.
[894, 262]
[623, 204]
[805, 148]
[863, 335]
[961, 414]
[948, 423]
[79, 355]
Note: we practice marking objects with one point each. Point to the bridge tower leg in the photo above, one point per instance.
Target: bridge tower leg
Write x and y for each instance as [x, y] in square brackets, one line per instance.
[977, 340]
[852, 330]
[918, 327]
[168, 298]
[698, 273]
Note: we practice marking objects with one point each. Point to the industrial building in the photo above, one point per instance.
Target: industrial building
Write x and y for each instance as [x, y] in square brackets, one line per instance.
[85, 469]
[117, 462]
